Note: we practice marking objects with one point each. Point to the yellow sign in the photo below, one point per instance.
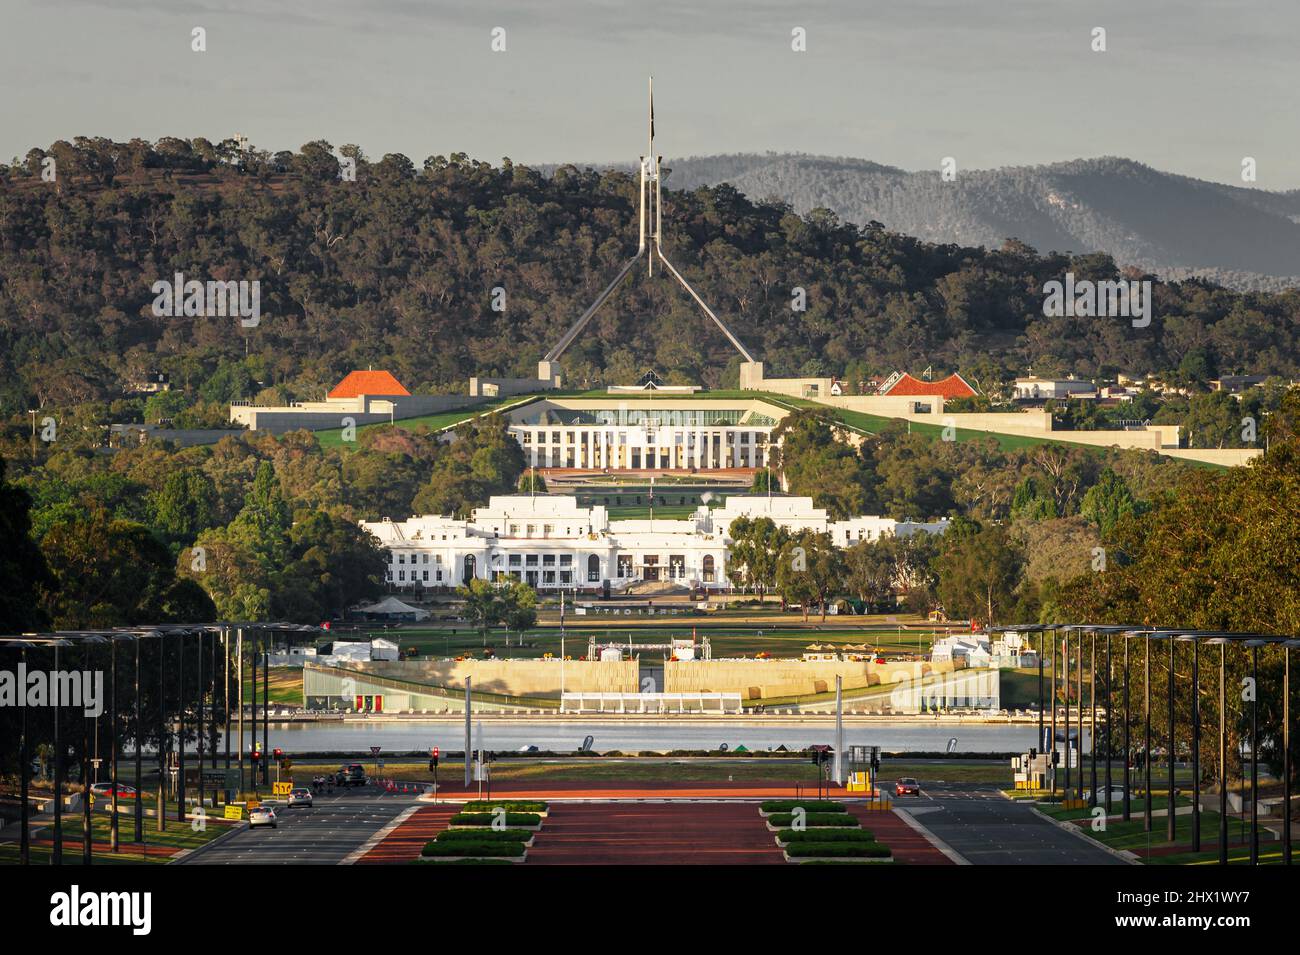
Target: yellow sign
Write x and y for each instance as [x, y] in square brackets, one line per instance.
[234, 812]
[282, 789]
[253, 803]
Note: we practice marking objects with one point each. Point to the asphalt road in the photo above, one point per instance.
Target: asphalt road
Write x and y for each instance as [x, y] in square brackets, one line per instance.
[985, 828]
[324, 834]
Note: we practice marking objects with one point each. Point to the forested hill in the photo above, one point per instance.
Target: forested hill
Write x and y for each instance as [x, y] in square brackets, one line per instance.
[397, 269]
[1244, 237]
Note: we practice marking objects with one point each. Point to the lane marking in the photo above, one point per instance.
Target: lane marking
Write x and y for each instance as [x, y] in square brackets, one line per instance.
[931, 838]
[352, 857]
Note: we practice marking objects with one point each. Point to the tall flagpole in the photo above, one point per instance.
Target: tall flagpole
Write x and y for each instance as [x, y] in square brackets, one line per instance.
[647, 178]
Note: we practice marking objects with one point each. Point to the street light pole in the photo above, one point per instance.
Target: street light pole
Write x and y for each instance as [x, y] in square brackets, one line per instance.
[56, 856]
[24, 774]
[1065, 649]
[1092, 705]
[1223, 752]
[1128, 750]
[1110, 722]
[87, 724]
[1051, 762]
[1078, 695]
[1040, 687]
[113, 835]
[1286, 751]
[1170, 827]
[163, 735]
[1146, 743]
[1196, 744]
[1254, 755]
[180, 727]
[139, 749]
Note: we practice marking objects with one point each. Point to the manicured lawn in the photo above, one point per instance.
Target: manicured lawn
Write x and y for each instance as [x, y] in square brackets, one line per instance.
[177, 836]
[333, 438]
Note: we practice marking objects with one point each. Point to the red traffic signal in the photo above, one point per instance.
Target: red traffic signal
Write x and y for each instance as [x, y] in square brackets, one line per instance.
[279, 753]
[434, 752]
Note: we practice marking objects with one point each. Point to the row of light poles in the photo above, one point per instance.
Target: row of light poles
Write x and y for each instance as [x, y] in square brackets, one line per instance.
[231, 638]
[1214, 638]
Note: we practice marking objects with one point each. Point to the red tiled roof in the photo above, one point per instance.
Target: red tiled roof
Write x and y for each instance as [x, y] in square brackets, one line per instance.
[954, 386]
[373, 383]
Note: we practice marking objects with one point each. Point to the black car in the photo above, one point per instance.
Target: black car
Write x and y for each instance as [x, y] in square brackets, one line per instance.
[353, 774]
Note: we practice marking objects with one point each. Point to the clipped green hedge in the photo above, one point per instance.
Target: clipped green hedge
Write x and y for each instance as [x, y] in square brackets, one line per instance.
[785, 820]
[485, 805]
[841, 850]
[486, 819]
[835, 835]
[465, 862]
[484, 835]
[811, 805]
[467, 848]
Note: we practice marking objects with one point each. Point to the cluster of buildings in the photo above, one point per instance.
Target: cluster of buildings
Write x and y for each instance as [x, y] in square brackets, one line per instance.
[552, 543]
[978, 651]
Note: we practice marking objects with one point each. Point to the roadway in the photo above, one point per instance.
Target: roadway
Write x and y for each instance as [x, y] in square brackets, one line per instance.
[334, 828]
[985, 828]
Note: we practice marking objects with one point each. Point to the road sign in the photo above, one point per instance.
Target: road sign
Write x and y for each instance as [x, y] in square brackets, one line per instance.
[234, 812]
[374, 750]
[282, 788]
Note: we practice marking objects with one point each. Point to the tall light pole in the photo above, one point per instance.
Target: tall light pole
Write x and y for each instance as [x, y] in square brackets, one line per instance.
[1128, 750]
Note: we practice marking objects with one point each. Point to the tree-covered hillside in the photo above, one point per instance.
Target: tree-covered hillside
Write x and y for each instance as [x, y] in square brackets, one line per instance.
[397, 269]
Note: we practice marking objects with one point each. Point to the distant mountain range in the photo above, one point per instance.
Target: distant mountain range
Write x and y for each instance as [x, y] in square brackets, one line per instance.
[1244, 238]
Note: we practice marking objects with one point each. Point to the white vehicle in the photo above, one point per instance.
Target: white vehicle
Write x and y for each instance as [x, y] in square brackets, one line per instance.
[261, 816]
[300, 796]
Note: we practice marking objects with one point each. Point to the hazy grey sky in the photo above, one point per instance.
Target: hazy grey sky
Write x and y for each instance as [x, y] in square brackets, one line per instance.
[1186, 87]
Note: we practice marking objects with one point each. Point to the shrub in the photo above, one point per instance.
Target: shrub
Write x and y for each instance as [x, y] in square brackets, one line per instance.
[484, 805]
[835, 835]
[467, 848]
[485, 819]
[484, 835]
[838, 850]
[785, 820]
[811, 805]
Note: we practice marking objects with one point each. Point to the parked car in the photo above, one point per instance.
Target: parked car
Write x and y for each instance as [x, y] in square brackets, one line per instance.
[105, 791]
[300, 796]
[907, 786]
[261, 816]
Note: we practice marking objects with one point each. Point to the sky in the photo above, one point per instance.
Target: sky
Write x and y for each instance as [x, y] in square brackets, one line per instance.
[1190, 88]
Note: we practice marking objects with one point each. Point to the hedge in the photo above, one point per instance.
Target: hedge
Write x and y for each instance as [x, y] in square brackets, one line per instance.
[842, 850]
[483, 805]
[487, 818]
[811, 805]
[837, 835]
[484, 848]
[484, 835]
[785, 820]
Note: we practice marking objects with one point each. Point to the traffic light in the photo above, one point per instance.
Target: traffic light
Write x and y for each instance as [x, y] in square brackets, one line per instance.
[278, 753]
[433, 759]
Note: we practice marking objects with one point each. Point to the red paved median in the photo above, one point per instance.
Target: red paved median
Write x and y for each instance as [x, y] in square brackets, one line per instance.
[654, 834]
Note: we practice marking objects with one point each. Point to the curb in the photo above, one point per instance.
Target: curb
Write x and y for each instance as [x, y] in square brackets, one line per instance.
[1123, 854]
[189, 854]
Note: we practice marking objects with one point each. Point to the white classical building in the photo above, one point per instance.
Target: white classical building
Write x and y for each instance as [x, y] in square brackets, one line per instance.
[620, 433]
[552, 543]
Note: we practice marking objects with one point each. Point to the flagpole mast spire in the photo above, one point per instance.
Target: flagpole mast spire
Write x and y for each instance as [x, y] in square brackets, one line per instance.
[649, 181]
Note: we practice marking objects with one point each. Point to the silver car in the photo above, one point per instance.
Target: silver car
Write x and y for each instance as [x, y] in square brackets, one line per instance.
[261, 816]
[300, 796]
